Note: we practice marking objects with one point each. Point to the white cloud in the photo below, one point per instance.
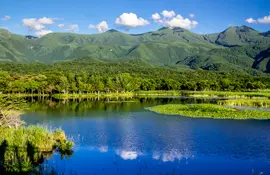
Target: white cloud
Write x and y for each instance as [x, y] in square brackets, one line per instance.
[251, 20]
[171, 20]
[37, 24]
[168, 14]
[46, 21]
[180, 21]
[91, 26]
[32, 24]
[127, 155]
[130, 20]
[61, 25]
[101, 27]
[264, 20]
[192, 15]
[43, 32]
[103, 149]
[156, 155]
[156, 17]
[73, 28]
[6, 18]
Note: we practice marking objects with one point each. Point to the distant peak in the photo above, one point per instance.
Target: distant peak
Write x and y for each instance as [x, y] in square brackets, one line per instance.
[246, 27]
[112, 31]
[173, 29]
[243, 28]
[30, 37]
[178, 28]
[163, 28]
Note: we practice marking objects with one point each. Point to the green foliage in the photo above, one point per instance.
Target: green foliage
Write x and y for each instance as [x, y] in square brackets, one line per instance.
[39, 137]
[209, 111]
[78, 77]
[108, 83]
[237, 49]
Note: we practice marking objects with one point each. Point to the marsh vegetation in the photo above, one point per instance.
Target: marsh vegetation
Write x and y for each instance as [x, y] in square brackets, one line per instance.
[246, 102]
[209, 111]
[23, 149]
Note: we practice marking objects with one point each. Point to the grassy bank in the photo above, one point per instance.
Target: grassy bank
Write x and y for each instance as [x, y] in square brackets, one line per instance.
[227, 94]
[246, 102]
[40, 138]
[23, 149]
[198, 94]
[158, 93]
[209, 111]
[120, 94]
[92, 95]
[20, 95]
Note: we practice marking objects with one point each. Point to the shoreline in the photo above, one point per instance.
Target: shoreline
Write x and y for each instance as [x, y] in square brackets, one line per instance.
[192, 94]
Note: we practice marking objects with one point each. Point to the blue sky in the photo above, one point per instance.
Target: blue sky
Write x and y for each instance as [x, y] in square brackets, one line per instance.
[76, 15]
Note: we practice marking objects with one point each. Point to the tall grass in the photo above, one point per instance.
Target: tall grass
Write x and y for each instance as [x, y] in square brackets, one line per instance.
[40, 138]
[25, 148]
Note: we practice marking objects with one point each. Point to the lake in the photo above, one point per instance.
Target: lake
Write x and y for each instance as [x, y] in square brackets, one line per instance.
[118, 136]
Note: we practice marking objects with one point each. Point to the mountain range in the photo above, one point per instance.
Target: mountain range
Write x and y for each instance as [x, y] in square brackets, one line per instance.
[232, 50]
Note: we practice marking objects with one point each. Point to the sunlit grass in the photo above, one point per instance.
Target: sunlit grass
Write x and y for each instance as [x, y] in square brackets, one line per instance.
[209, 111]
[265, 93]
[40, 138]
[246, 102]
[92, 95]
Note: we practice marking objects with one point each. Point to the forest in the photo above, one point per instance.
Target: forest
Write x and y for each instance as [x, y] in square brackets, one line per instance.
[83, 77]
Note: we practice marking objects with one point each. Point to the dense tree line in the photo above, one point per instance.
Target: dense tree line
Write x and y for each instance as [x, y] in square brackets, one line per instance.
[85, 82]
[86, 76]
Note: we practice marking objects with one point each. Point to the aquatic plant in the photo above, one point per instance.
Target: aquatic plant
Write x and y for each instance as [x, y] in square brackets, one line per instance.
[242, 94]
[23, 149]
[39, 137]
[209, 111]
[246, 102]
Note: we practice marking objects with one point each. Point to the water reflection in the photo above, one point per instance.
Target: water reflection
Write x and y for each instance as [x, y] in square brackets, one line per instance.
[18, 161]
[122, 138]
[127, 155]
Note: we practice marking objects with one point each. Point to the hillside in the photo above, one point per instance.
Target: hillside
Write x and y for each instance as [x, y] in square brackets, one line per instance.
[235, 49]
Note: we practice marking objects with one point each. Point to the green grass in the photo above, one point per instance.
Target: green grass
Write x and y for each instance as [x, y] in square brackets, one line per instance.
[40, 138]
[209, 111]
[25, 148]
[18, 95]
[246, 102]
[265, 93]
[157, 93]
[92, 95]
[120, 94]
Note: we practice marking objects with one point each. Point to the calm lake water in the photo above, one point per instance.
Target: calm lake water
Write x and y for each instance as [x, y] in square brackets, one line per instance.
[114, 137]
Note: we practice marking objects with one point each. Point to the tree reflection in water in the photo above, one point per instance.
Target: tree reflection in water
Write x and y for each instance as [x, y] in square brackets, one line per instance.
[20, 161]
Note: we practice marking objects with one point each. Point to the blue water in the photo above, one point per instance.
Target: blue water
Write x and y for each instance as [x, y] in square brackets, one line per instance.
[124, 138]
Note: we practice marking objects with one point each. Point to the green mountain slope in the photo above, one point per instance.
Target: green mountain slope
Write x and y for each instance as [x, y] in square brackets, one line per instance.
[239, 36]
[235, 49]
[233, 59]
[262, 61]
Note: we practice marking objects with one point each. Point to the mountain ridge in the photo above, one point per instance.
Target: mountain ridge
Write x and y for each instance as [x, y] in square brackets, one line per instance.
[163, 47]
